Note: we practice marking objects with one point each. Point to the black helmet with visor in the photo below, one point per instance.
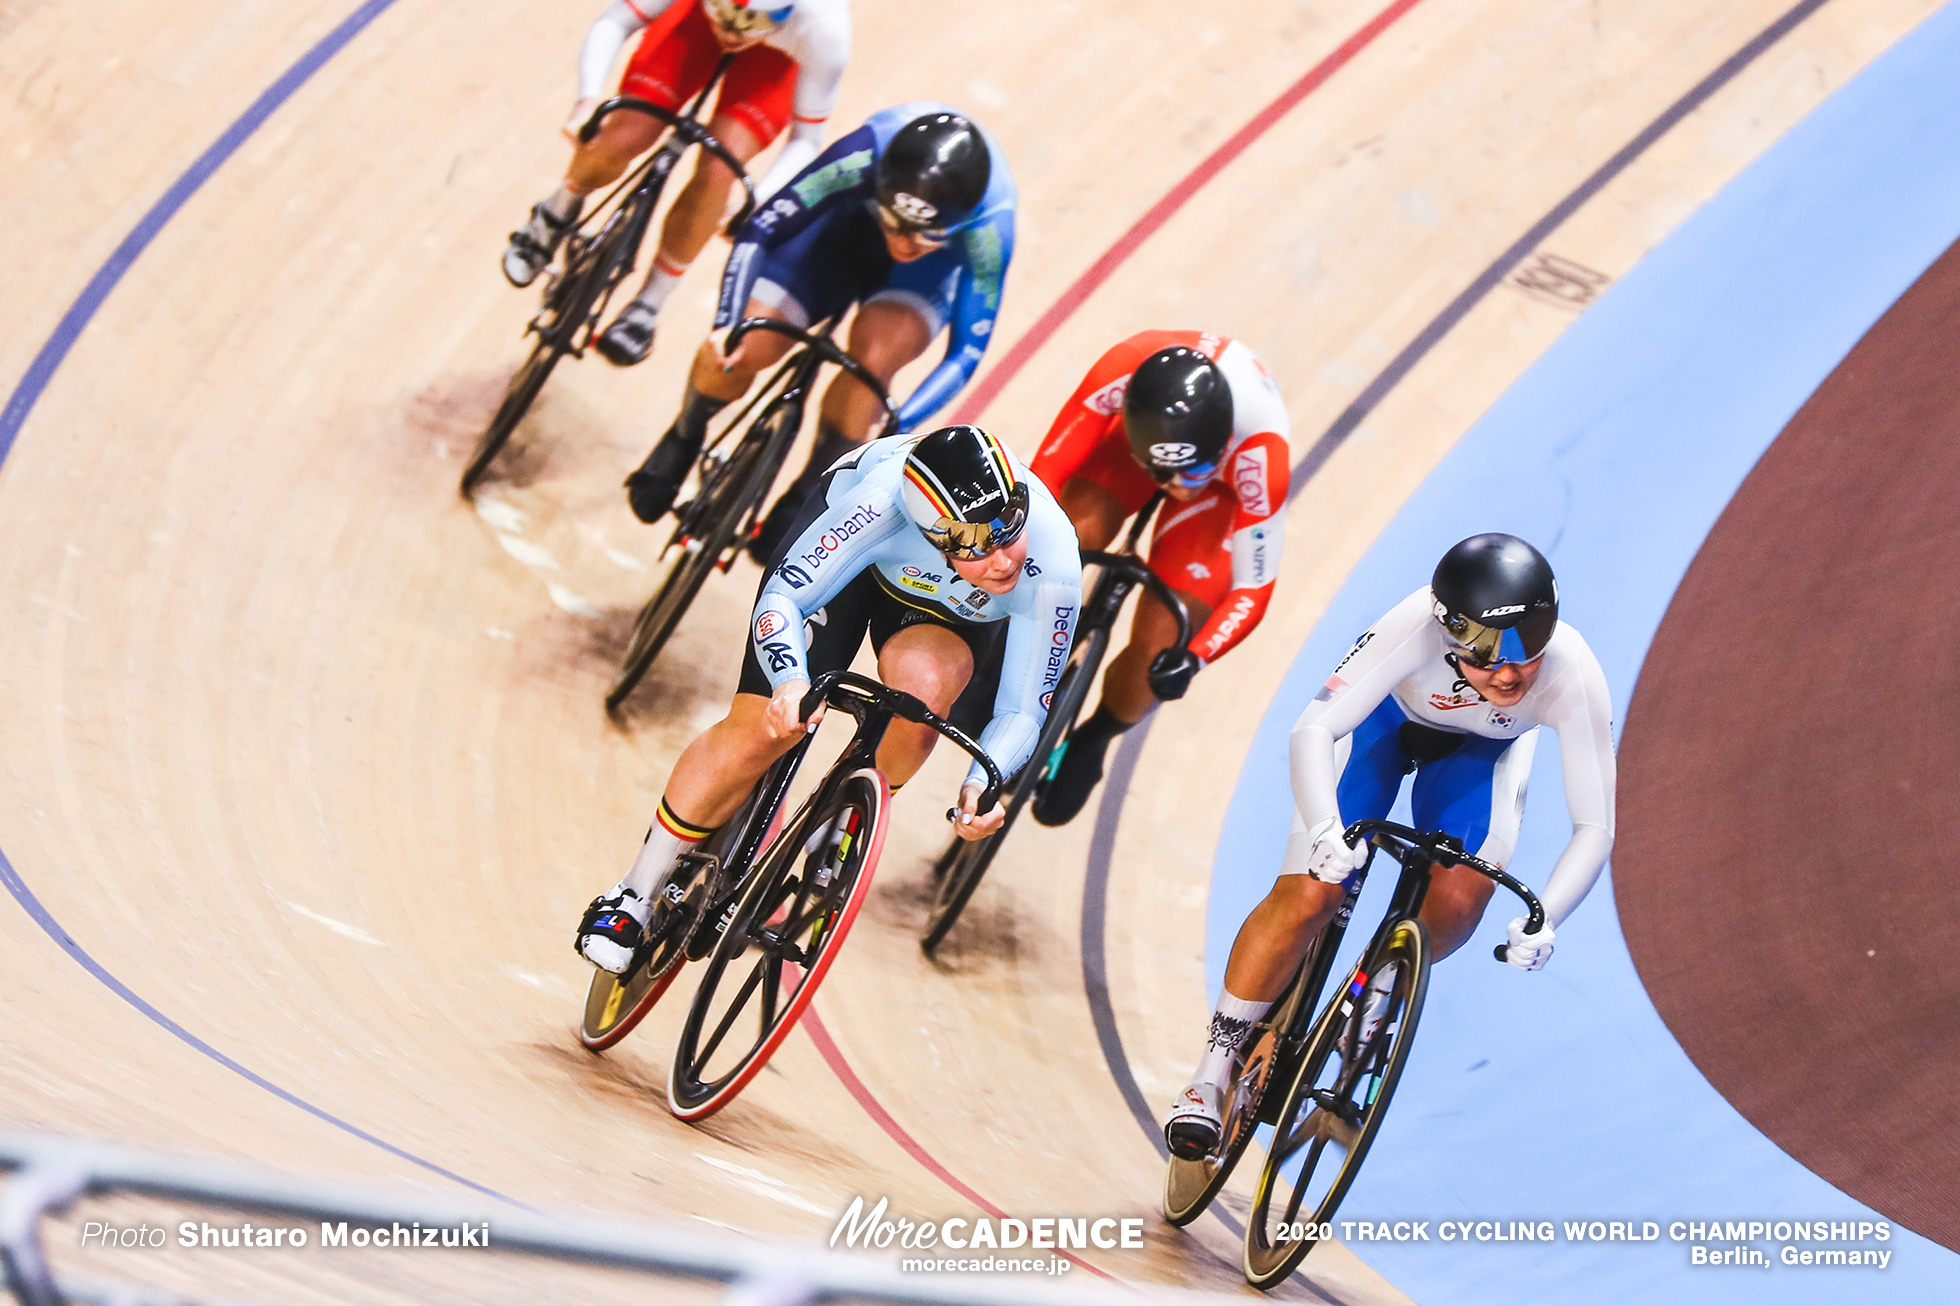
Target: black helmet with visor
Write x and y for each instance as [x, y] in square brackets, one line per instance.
[1496, 599]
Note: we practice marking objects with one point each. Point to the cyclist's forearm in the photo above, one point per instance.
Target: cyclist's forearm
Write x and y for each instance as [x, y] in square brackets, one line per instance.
[1009, 739]
[1577, 871]
[805, 140]
[777, 633]
[603, 42]
[1315, 783]
[939, 387]
[1237, 616]
[737, 280]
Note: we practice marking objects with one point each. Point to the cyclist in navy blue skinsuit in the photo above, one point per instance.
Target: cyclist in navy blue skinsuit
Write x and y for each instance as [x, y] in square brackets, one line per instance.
[911, 217]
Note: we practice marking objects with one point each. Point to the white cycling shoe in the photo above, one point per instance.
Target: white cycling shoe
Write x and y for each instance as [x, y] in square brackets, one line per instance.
[1197, 1122]
[610, 930]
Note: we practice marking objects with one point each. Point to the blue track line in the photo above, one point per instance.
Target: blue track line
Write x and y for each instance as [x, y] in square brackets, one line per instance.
[21, 404]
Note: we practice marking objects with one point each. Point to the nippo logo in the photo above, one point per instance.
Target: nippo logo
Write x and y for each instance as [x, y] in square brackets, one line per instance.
[913, 209]
[1173, 453]
[767, 624]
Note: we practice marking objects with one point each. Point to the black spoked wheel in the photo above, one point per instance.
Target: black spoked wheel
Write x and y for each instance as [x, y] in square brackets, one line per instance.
[961, 867]
[614, 1004]
[1332, 1111]
[569, 307]
[778, 943]
[731, 493]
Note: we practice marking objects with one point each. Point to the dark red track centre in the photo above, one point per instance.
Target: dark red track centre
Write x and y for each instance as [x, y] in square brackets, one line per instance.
[1788, 865]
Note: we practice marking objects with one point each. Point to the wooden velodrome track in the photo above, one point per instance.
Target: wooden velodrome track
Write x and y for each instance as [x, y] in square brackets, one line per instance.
[309, 759]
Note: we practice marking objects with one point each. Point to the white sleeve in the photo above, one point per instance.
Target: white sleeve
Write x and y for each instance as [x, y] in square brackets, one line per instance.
[1388, 653]
[1584, 722]
[820, 58]
[606, 37]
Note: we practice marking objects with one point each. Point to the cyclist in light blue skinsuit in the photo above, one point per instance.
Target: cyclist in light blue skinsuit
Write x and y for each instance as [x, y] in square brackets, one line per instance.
[911, 217]
[964, 572]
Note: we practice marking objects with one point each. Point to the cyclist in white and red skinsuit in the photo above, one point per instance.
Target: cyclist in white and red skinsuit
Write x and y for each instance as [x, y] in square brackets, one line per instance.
[789, 58]
[1451, 684]
[1217, 539]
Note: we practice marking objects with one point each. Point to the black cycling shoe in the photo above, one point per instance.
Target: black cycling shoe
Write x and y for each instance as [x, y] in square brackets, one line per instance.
[1067, 791]
[608, 934]
[769, 535]
[630, 337]
[651, 489]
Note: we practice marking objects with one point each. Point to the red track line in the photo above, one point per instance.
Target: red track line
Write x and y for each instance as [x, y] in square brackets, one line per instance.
[876, 1110]
[1161, 212]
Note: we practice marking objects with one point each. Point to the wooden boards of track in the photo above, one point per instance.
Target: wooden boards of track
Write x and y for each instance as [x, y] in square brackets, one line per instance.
[309, 756]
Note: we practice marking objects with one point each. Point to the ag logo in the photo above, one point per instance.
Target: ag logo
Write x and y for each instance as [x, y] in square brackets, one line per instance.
[1173, 453]
[913, 209]
[766, 625]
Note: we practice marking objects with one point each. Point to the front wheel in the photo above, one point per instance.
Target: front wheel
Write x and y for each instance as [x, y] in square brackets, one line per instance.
[1333, 1109]
[523, 389]
[779, 942]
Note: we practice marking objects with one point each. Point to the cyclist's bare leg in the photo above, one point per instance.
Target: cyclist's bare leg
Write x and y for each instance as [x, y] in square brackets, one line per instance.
[715, 773]
[603, 160]
[1454, 904]
[1126, 688]
[932, 664]
[885, 336]
[1094, 510]
[727, 377]
[715, 381]
[697, 211]
[1275, 936]
[1126, 700]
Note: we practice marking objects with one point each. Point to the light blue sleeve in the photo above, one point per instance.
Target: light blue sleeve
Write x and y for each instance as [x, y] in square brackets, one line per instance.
[986, 250]
[843, 540]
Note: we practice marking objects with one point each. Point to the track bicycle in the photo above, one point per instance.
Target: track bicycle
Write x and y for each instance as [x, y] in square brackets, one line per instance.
[1337, 1074]
[597, 256]
[709, 884]
[774, 944]
[715, 526]
[960, 868]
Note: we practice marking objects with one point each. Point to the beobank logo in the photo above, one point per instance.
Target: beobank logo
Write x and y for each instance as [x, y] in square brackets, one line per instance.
[833, 539]
[1058, 641]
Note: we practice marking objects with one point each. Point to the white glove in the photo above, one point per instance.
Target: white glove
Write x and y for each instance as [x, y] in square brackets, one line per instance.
[1529, 951]
[1330, 860]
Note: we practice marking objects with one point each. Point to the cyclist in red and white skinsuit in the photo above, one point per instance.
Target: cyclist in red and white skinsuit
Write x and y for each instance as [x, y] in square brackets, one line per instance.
[1197, 416]
[789, 62]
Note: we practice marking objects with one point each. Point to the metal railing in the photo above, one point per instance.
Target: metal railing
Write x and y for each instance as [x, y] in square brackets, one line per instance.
[49, 1174]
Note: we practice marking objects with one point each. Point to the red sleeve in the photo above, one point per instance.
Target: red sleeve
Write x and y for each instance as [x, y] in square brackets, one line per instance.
[1257, 472]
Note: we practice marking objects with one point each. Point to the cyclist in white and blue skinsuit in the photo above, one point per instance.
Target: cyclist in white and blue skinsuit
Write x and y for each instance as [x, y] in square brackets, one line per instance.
[1451, 684]
[911, 217]
[964, 572]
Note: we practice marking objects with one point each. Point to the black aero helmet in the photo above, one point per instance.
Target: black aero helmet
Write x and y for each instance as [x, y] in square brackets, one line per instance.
[1177, 412]
[1496, 598]
[960, 490]
[934, 172]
